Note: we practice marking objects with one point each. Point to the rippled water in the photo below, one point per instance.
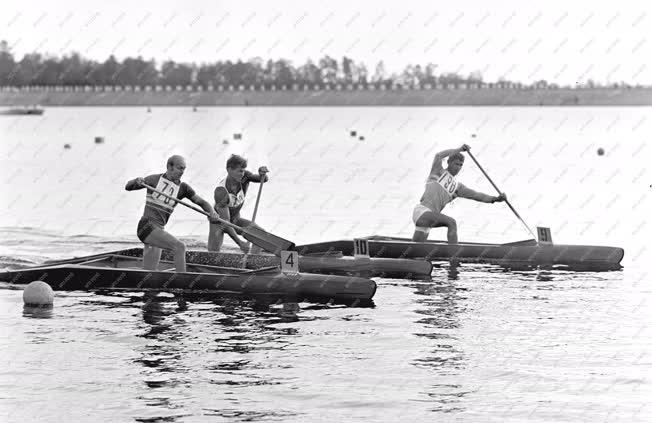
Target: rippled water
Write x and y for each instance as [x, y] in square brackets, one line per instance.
[475, 344]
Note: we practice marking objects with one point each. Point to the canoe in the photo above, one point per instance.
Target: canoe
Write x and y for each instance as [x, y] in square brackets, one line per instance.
[22, 111]
[519, 254]
[119, 272]
[329, 263]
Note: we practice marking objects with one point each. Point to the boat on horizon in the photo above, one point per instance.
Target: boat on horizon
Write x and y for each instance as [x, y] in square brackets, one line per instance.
[23, 111]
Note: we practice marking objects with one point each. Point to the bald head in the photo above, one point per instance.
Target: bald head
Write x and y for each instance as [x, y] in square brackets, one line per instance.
[176, 167]
[176, 159]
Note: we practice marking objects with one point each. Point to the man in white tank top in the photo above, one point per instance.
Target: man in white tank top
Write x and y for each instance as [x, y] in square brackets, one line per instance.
[229, 197]
[442, 188]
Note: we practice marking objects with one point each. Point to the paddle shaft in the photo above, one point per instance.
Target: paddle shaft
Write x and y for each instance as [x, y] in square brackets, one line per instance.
[499, 192]
[265, 240]
[253, 219]
[190, 206]
[260, 190]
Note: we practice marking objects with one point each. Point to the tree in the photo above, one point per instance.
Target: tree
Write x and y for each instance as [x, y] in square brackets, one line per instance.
[347, 70]
[380, 74]
[328, 69]
[7, 65]
[174, 74]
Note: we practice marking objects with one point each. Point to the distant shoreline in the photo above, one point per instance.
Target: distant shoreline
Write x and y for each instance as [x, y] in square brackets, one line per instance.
[119, 96]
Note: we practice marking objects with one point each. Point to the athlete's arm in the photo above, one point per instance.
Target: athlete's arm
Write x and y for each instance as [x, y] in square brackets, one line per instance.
[464, 192]
[203, 204]
[260, 177]
[437, 167]
[135, 184]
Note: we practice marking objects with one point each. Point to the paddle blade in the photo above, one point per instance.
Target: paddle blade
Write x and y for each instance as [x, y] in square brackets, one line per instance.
[269, 242]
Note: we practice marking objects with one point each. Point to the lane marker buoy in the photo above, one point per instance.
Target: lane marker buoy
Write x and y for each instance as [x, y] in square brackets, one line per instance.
[38, 294]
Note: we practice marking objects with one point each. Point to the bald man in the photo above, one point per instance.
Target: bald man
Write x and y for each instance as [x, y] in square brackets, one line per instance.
[151, 227]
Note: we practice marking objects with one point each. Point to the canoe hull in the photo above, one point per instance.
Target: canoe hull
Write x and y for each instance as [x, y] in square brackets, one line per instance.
[575, 257]
[73, 277]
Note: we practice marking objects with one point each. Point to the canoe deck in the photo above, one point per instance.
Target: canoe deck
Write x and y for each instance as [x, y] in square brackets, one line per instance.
[333, 263]
[120, 272]
[515, 254]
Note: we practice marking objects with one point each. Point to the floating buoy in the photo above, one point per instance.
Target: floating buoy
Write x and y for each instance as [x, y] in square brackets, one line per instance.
[600, 151]
[472, 135]
[225, 142]
[99, 140]
[361, 138]
[237, 136]
[66, 146]
[354, 133]
[38, 294]
[194, 108]
[149, 110]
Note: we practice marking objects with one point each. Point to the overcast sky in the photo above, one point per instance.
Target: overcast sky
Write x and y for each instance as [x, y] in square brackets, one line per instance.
[560, 41]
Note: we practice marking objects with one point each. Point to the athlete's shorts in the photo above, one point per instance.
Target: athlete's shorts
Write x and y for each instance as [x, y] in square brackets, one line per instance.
[419, 210]
[145, 227]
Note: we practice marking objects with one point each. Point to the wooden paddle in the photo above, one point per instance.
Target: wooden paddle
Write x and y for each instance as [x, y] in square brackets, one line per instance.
[265, 240]
[253, 220]
[499, 192]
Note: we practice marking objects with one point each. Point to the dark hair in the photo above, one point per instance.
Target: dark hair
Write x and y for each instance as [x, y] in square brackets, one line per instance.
[456, 156]
[236, 161]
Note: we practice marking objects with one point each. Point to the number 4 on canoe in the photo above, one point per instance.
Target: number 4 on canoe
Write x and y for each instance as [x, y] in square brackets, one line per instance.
[265, 240]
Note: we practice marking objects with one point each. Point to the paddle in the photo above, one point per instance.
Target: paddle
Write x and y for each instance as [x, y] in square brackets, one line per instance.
[265, 240]
[253, 219]
[499, 192]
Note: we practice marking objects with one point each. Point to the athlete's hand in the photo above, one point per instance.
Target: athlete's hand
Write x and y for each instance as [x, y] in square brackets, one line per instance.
[214, 217]
[140, 182]
[502, 197]
[465, 147]
[244, 246]
[262, 171]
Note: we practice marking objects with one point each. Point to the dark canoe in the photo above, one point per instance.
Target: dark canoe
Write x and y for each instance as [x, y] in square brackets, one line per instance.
[119, 272]
[515, 254]
[22, 111]
[332, 263]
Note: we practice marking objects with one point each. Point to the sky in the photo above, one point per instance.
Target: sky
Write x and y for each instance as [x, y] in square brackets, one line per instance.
[559, 41]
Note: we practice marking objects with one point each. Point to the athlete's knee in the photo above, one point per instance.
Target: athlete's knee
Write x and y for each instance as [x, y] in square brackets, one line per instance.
[179, 247]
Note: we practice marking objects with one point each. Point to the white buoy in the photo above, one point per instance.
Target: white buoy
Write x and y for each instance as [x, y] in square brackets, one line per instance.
[39, 294]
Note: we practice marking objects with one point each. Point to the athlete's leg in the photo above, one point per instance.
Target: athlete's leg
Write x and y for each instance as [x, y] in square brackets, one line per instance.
[162, 239]
[151, 257]
[215, 237]
[431, 219]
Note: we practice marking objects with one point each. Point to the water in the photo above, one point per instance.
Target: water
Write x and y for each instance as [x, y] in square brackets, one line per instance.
[476, 344]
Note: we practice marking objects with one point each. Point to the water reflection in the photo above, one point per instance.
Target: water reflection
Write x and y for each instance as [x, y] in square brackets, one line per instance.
[441, 304]
[36, 312]
[217, 342]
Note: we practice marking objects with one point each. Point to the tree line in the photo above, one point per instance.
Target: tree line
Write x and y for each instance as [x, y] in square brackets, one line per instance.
[73, 69]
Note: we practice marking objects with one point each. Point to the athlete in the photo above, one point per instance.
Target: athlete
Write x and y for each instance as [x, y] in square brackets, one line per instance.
[441, 189]
[158, 208]
[229, 198]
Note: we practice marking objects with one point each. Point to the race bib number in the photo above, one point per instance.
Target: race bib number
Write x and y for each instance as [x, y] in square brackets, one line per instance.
[168, 187]
[448, 182]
